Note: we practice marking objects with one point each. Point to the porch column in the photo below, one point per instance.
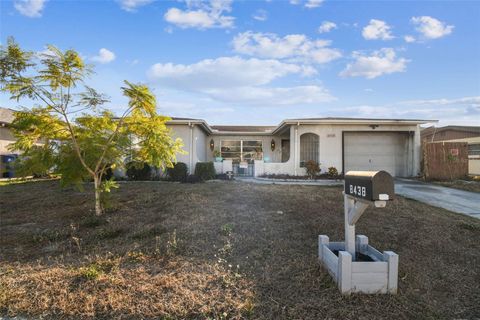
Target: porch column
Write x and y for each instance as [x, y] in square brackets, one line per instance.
[293, 147]
[417, 150]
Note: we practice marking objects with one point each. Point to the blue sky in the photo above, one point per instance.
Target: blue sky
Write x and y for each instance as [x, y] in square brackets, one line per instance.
[259, 62]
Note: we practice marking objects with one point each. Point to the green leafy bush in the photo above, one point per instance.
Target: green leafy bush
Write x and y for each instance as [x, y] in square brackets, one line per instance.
[179, 172]
[205, 171]
[313, 168]
[333, 172]
[139, 171]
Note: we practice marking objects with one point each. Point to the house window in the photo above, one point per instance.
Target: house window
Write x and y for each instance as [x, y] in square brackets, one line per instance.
[474, 151]
[309, 145]
[242, 150]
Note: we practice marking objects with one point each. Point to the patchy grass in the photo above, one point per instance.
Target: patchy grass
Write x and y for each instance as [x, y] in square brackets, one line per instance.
[222, 250]
[467, 185]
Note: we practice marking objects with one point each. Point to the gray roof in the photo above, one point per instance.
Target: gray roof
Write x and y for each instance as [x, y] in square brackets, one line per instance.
[243, 128]
[475, 129]
[346, 118]
[6, 115]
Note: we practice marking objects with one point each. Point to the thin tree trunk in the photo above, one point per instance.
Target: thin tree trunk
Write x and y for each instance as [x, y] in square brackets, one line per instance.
[98, 205]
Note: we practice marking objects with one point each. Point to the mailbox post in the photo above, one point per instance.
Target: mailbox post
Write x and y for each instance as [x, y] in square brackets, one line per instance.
[354, 264]
[361, 189]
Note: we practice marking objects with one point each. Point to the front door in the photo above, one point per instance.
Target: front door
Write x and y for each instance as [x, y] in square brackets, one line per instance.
[285, 150]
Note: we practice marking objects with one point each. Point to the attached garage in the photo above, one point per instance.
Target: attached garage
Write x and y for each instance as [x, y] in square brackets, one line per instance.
[372, 151]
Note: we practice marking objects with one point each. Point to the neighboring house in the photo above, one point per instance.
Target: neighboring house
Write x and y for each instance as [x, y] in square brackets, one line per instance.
[469, 134]
[347, 144]
[6, 137]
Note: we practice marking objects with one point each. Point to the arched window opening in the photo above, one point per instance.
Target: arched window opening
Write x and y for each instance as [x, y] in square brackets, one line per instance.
[309, 148]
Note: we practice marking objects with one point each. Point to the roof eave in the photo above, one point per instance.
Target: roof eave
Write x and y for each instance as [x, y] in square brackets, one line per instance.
[202, 123]
[241, 133]
[351, 121]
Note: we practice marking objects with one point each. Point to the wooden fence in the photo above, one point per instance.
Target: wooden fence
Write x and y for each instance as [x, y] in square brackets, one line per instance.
[445, 160]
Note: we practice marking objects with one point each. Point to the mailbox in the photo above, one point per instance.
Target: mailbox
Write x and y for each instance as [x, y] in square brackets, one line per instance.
[369, 185]
[355, 265]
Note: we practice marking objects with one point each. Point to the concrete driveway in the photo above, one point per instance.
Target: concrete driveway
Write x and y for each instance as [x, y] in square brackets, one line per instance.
[448, 198]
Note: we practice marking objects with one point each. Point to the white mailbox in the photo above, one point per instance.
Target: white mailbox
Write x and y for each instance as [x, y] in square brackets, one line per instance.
[355, 265]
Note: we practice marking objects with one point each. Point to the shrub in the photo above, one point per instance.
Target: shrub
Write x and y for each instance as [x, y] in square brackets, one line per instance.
[192, 179]
[205, 171]
[179, 172]
[139, 171]
[313, 168]
[333, 172]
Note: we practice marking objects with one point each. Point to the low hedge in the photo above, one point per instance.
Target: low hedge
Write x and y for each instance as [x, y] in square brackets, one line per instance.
[205, 171]
[139, 171]
[179, 172]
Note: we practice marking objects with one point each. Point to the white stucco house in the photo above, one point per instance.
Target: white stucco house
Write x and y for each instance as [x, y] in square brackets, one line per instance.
[345, 143]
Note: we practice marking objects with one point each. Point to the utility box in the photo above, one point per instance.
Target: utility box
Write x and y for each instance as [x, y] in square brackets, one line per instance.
[355, 265]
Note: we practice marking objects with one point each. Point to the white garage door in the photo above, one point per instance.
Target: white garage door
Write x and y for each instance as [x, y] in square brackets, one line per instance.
[376, 151]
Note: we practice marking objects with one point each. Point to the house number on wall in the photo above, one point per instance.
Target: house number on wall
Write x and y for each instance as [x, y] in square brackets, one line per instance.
[358, 190]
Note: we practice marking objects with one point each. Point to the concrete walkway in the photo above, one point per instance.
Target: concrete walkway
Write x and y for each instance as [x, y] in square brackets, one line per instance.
[455, 200]
[447, 198]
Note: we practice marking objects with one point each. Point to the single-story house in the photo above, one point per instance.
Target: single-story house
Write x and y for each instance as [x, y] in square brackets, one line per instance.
[6, 138]
[347, 144]
[468, 134]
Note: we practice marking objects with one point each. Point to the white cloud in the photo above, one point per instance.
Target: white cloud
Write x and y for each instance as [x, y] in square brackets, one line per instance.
[310, 4]
[30, 8]
[265, 96]
[104, 56]
[431, 28]
[223, 72]
[313, 3]
[327, 26]
[383, 61]
[377, 29]
[409, 39]
[202, 15]
[238, 81]
[132, 5]
[465, 111]
[299, 46]
[260, 15]
[468, 101]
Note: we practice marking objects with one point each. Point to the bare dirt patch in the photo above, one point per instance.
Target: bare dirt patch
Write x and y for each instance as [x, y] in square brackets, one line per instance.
[222, 250]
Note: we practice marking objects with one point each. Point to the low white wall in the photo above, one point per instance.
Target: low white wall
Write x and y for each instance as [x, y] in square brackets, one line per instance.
[223, 167]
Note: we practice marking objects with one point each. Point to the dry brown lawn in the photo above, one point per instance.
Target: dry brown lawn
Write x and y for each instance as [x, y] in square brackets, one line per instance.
[222, 250]
[467, 185]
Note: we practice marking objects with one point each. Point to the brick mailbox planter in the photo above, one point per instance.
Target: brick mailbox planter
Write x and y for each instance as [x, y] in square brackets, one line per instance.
[355, 265]
[379, 275]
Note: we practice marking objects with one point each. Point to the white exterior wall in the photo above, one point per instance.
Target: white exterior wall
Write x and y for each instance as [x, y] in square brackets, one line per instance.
[331, 141]
[6, 138]
[273, 156]
[196, 151]
[199, 146]
[330, 148]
